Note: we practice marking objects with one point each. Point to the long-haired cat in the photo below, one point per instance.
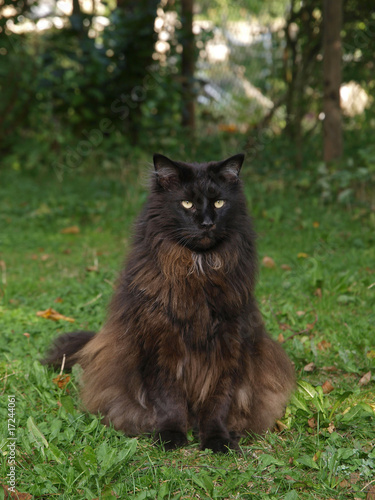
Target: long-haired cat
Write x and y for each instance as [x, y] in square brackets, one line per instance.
[184, 345]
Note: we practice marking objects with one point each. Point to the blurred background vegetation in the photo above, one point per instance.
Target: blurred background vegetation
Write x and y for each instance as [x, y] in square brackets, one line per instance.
[101, 84]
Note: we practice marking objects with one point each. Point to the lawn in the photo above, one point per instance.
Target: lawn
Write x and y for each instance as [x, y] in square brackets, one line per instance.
[62, 243]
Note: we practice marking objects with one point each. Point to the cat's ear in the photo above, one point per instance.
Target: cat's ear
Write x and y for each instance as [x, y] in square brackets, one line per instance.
[229, 169]
[168, 172]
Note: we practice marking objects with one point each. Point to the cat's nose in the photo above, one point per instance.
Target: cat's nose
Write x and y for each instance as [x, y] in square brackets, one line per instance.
[207, 223]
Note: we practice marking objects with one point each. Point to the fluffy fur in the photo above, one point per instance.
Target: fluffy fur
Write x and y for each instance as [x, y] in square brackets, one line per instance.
[184, 345]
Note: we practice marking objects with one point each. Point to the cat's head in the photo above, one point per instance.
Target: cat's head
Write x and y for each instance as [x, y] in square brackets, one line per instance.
[198, 203]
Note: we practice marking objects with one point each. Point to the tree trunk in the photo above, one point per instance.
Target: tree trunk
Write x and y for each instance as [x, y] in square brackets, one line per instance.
[187, 65]
[332, 127]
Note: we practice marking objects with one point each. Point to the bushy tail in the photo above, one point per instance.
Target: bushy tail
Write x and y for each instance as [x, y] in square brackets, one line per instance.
[69, 344]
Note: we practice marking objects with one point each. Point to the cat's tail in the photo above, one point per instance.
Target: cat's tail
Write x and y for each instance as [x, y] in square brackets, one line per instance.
[68, 344]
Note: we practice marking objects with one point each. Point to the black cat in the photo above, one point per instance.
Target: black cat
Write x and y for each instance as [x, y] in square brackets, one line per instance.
[184, 344]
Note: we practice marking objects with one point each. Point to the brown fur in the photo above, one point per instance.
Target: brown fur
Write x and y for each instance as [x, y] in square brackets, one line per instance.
[184, 344]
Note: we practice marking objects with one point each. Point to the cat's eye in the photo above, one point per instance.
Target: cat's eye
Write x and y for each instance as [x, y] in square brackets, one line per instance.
[219, 203]
[187, 204]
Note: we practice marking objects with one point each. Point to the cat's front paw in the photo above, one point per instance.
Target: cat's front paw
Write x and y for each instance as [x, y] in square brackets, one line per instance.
[219, 444]
[172, 439]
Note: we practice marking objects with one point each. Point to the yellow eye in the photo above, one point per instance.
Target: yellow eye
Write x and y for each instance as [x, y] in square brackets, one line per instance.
[187, 204]
[219, 203]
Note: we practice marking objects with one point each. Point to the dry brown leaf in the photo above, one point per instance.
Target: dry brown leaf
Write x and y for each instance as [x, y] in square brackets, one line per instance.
[44, 257]
[27, 335]
[54, 315]
[310, 326]
[371, 493]
[284, 326]
[16, 495]
[70, 230]
[286, 267]
[344, 484]
[93, 269]
[323, 345]
[228, 127]
[61, 381]
[300, 313]
[318, 293]
[330, 368]
[312, 423]
[281, 338]
[310, 367]
[280, 425]
[268, 262]
[58, 299]
[365, 379]
[327, 387]
[331, 428]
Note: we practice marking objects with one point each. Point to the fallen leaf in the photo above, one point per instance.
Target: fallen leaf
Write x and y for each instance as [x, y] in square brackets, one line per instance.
[331, 428]
[300, 313]
[316, 224]
[318, 293]
[310, 367]
[8, 495]
[371, 493]
[280, 426]
[286, 267]
[284, 326]
[365, 379]
[54, 315]
[61, 381]
[27, 335]
[302, 255]
[371, 354]
[327, 387]
[312, 423]
[344, 484]
[330, 368]
[44, 257]
[58, 299]
[93, 269]
[70, 230]
[268, 262]
[310, 326]
[227, 127]
[281, 338]
[323, 345]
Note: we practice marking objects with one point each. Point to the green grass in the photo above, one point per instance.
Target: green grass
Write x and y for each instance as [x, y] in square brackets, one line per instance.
[323, 298]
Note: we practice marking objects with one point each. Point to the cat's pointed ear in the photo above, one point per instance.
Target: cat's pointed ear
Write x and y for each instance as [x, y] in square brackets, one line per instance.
[168, 173]
[230, 168]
